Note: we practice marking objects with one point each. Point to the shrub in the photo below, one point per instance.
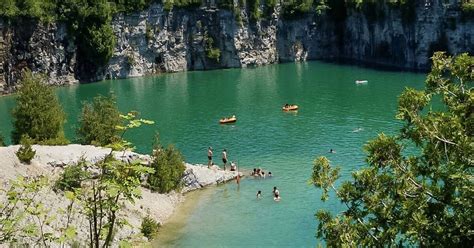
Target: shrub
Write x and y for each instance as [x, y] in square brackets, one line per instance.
[25, 153]
[254, 9]
[37, 113]
[296, 8]
[212, 52]
[98, 122]
[72, 177]
[149, 227]
[149, 33]
[169, 168]
[2, 140]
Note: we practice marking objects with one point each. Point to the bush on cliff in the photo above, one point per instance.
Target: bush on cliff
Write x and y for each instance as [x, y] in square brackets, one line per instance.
[25, 153]
[72, 177]
[99, 121]
[149, 227]
[2, 140]
[38, 113]
[423, 197]
[169, 168]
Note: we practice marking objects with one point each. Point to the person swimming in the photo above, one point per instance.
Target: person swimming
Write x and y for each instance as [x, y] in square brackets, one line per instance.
[270, 174]
[332, 151]
[259, 194]
[276, 194]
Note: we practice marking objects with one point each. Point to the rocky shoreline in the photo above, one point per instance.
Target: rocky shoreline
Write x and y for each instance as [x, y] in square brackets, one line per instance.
[49, 161]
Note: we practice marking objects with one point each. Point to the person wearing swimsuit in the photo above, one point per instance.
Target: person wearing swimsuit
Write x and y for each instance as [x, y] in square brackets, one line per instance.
[209, 157]
[224, 157]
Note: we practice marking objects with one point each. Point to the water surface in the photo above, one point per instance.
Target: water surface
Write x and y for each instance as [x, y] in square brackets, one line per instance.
[187, 106]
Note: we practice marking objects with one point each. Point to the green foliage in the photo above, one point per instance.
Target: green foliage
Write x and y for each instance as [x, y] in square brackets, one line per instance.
[118, 182]
[212, 52]
[149, 33]
[24, 215]
[187, 4]
[467, 7]
[2, 140]
[254, 10]
[103, 197]
[72, 177]
[37, 113]
[422, 197]
[9, 8]
[131, 5]
[149, 227]
[292, 9]
[129, 121]
[25, 153]
[169, 168]
[226, 4]
[98, 122]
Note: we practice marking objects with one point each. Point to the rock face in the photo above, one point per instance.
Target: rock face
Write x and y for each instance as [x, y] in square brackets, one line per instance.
[154, 40]
[40, 47]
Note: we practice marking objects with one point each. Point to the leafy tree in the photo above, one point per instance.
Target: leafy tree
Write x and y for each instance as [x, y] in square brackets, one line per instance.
[422, 197]
[105, 195]
[25, 153]
[23, 215]
[98, 122]
[169, 168]
[37, 113]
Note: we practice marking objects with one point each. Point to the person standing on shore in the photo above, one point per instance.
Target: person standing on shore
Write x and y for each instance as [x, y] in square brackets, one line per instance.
[209, 157]
[224, 157]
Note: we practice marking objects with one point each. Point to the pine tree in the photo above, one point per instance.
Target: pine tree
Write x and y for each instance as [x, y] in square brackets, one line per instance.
[37, 113]
[25, 153]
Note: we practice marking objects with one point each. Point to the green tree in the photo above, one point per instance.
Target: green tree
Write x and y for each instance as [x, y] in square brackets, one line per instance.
[169, 167]
[25, 153]
[117, 183]
[423, 196]
[37, 113]
[98, 122]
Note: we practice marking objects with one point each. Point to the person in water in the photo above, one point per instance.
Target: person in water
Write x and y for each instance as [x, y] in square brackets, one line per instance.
[209, 157]
[332, 151]
[270, 174]
[254, 173]
[259, 194]
[224, 157]
[276, 194]
[263, 174]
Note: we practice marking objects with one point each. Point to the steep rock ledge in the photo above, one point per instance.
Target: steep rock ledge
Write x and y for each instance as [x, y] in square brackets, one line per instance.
[155, 41]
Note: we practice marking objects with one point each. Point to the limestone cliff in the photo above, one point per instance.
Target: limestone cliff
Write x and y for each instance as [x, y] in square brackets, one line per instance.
[154, 40]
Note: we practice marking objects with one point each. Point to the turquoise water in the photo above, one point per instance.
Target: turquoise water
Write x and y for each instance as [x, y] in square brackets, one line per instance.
[187, 106]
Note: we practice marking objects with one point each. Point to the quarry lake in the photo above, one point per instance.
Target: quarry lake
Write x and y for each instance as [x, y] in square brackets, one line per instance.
[334, 113]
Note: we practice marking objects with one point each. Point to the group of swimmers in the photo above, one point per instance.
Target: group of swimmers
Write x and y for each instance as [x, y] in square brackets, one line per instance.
[275, 192]
[260, 173]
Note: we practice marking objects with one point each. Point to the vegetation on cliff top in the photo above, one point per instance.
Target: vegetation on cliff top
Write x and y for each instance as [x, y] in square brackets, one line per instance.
[424, 196]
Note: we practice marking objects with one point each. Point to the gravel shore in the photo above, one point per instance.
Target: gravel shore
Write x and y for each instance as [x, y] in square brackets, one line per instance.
[51, 160]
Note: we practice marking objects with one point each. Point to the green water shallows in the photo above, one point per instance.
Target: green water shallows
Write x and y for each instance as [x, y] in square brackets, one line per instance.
[187, 106]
